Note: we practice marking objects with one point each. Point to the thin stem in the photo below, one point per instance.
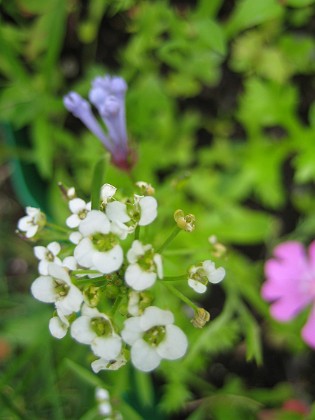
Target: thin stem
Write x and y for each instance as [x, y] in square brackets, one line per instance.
[58, 228]
[180, 295]
[137, 232]
[175, 278]
[173, 234]
[76, 272]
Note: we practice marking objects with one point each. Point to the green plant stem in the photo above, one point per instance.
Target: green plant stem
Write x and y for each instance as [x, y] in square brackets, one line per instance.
[180, 295]
[173, 234]
[176, 278]
[137, 232]
[57, 228]
[76, 272]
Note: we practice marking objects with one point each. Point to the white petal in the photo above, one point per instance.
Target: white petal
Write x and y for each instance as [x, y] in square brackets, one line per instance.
[217, 275]
[174, 345]
[197, 286]
[75, 237]
[84, 252]
[107, 347]
[104, 408]
[144, 357]
[107, 262]
[117, 211]
[76, 205]
[208, 266]
[148, 207]
[101, 394]
[138, 279]
[91, 312]
[95, 222]
[59, 272]
[132, 330]
[43, 267]
[40, 252]
[54, 248]
[159, 267]
[70, 263]
[153, 316]
[57, 328]
[102, 364]
[31, 231]
[81, 330]
[32, 211]
[43, 289]
[136, 250]
[70, 303]
[107, 192]
[73, 221]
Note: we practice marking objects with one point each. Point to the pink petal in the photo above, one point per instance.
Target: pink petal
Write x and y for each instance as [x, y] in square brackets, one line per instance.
[288, 306]
[308, 331]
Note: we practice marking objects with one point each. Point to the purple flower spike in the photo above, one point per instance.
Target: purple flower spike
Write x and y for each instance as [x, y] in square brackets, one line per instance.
[108, 96]
[290, 285]
[81, 109]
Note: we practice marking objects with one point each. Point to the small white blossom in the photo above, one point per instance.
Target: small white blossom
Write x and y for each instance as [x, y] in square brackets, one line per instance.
[32, 222]
[153, 337]
[144, 266]
[99, 248]
[107, 192]
[57, 288]
[47, 255]
[103, 364]
[95, 328]
[79, 209]
[200, 275]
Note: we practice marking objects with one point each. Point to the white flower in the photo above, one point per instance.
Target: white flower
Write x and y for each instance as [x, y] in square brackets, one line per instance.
[200, 275]
[107, 192]
[152, 337]
[32, 222]
[57, 288]
[117, 214]
[79, 209]
[46, 255]
[144, 266]
[128, 216]
[103, 364]
[95, 328]
[58, 325]
[133, 303]
[99, 248]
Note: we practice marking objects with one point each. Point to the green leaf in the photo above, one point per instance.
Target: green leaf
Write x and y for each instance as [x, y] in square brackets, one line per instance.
[44, 147]
[299, 3]
[248, 13]
[252, 335]
[84, 374]
[97, 181]
[144, 387]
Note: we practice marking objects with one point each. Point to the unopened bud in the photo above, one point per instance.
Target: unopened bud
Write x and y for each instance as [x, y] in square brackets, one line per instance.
[146, 189]
[186, 223]
[200, 318]
[92, 295]
[68, 193]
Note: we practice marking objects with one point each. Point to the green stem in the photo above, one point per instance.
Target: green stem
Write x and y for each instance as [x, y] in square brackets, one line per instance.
[175, 278]
[58, 228]
[84, 272]
[180, 295]
[137, 232]
[173, 234]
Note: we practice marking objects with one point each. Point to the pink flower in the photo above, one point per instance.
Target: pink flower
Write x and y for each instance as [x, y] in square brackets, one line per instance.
[290, 284]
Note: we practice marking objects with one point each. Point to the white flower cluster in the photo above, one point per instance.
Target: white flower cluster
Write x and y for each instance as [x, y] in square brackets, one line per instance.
[99, 270]
[105, 407]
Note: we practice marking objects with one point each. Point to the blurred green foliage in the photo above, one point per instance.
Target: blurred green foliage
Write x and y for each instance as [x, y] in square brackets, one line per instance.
[221, 111]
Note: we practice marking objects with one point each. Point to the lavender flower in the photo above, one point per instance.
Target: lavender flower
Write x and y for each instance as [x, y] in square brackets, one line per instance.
[108, 96]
